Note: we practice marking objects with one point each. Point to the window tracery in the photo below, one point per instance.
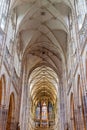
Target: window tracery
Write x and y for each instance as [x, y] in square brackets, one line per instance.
[4, 7]
[44, 111]
[44, 114]
[81, 11]
[38, 111]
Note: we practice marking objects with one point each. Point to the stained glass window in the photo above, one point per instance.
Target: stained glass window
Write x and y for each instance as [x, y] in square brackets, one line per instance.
[44, 111]
[38, 112]
[50, 110]
[44, 114]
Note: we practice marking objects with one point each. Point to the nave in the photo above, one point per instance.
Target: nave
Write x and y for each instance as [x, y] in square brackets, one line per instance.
[43, 64]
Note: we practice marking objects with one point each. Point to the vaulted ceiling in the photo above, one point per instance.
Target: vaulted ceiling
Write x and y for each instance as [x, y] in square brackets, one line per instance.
[43, 27]
[43, 83]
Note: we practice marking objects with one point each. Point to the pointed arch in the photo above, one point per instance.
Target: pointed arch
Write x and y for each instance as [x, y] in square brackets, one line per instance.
[11, 110]
[80, 103]
[2, 90]
[73, 123]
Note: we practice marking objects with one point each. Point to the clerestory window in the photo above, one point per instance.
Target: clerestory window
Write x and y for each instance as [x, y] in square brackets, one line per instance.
[4, 7]
[81, 11]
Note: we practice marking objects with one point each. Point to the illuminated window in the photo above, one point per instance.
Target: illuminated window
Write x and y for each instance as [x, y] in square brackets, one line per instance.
[50, 111]
[81, 11]
[38, 112]
[4, 7]
[44, 111]
[44, 114]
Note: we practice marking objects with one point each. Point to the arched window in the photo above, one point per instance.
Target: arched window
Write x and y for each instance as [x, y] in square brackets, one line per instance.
[11, 115]
[81, 11]
[50, 111]
[2, 90]
[44, 111]
[38, 112]
[73, 121]
[4, 7]
[44, 114]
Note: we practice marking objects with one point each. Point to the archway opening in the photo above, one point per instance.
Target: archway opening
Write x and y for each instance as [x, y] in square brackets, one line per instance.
[81, 112]
[10, 119]
[73, 122]
[2, 90]
[3, 109]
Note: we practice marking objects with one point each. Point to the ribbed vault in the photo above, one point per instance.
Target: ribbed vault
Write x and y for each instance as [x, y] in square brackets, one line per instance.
[43, 30]
[43, 33]
[43, 83]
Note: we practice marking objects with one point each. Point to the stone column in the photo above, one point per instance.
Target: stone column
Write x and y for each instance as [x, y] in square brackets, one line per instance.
[62, 106]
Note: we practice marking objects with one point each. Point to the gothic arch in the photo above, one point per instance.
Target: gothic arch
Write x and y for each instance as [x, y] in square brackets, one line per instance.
[72, 111]
[2, 89]
[11, 110]
[80, 102]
